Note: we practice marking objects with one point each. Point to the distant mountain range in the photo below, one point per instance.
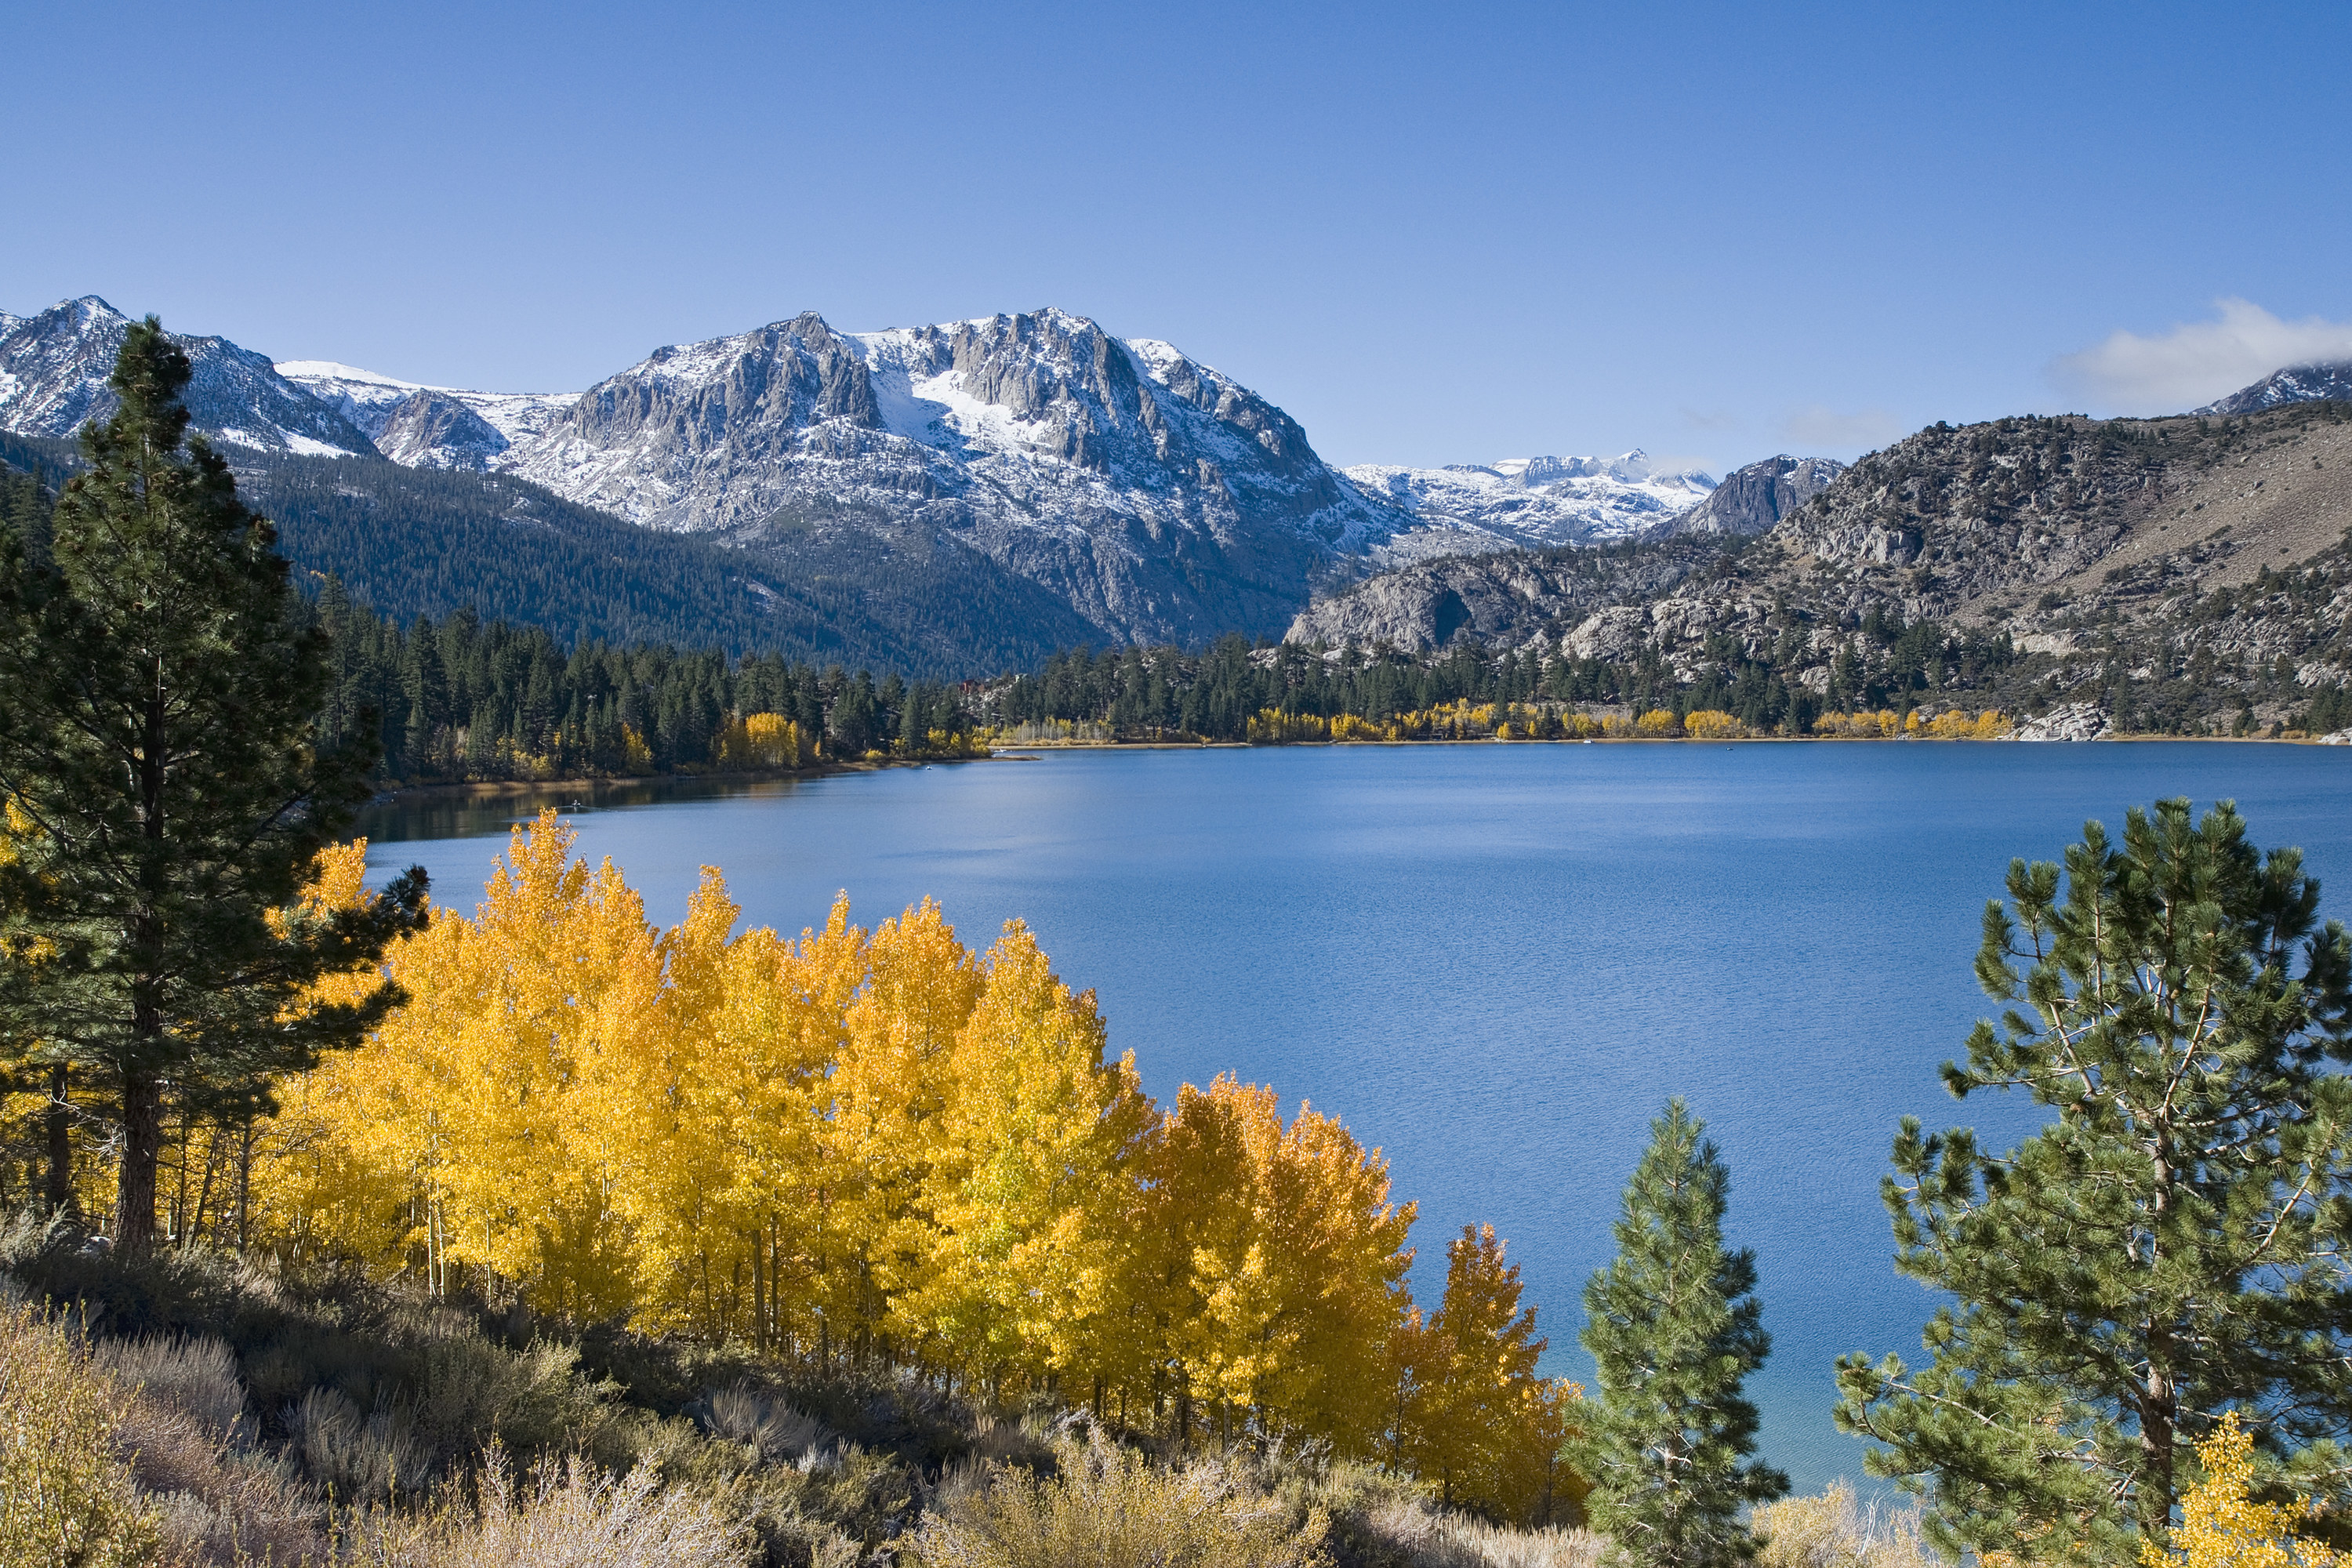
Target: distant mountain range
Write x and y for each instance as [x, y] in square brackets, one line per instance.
[1082, 487]
[947, 499]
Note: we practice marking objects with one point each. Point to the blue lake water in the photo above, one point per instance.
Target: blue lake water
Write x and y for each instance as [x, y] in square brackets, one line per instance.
[1495, 962]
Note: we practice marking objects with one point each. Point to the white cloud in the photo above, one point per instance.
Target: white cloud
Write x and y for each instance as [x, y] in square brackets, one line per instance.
[1821, 431]
[2197, 361]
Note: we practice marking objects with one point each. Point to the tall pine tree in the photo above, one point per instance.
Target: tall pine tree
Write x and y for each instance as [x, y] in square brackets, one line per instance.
[158, 750]
[2170, 1245]
[1675, 1329]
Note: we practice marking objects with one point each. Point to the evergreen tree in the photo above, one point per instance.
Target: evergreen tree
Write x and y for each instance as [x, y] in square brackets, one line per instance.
[1675, 1329]
[158, 749]
[2169, 1247]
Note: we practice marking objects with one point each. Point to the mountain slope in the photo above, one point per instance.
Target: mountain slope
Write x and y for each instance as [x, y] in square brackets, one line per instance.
[1530, 501]
[53, 367]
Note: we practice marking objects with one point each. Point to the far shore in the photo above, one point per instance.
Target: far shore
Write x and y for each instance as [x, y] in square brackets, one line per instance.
[1012, 752]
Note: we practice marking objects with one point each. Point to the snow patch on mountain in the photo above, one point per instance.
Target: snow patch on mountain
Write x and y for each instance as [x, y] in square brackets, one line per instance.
[1529, 501]
[429, 426]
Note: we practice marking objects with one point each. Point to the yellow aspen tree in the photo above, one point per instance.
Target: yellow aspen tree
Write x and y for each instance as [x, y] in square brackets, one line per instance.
[1211, 1288]
[1035, 1142]
[889, 1089]
[488, 1091]
[1337, 1244]
[2222, 1526]
[719, 1114]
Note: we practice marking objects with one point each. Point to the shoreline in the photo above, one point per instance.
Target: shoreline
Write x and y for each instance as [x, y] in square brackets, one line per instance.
[2135, 738]
[1012, 752]
[490, 789]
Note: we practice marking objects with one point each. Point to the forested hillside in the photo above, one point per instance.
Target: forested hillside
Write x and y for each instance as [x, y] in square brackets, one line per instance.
[427, 541]
[464, 698]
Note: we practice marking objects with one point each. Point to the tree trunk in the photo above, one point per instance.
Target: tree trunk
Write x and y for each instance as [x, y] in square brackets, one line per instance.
[143, 1144]
[59, 1127]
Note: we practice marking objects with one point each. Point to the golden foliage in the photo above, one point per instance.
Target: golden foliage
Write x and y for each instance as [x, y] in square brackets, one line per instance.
[759, 741]
[1712, 724]
[855, 1144]
[2221, 1525]
[1950, 725]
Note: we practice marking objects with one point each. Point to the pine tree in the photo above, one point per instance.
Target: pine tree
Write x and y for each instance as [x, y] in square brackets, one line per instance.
[1675, 1329]
[2169, 1246]
[158, 745]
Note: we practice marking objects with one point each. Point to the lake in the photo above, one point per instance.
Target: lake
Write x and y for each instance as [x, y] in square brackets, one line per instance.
[1494, 962]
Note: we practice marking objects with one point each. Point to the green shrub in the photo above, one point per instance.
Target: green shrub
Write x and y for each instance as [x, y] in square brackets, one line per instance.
[65, 1500]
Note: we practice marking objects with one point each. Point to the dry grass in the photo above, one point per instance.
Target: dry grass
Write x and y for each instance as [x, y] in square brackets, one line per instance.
[1835, 1530]
[571, 1515]
[1110, 1508]
[1433, 1540]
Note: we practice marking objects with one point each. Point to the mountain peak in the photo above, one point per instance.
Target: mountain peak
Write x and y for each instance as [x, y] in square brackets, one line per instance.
[2328, 381]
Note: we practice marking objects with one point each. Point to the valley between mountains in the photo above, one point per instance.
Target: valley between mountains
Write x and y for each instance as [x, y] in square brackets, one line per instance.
[956, 501]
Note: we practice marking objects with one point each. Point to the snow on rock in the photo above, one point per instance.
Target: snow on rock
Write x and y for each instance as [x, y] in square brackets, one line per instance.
[429, 426]
[1529, 501]
[2296, 384]
[1158, 497]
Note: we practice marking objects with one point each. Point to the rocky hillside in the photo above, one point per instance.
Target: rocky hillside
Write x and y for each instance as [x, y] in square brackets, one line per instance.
[54, 366]
[1529, 501]
[2182, 570]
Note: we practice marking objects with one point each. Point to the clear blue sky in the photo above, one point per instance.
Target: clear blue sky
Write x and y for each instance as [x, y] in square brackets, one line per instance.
[1433, 233]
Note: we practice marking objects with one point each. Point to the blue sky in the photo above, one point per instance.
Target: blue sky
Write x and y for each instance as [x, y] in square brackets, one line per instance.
[1433, 233]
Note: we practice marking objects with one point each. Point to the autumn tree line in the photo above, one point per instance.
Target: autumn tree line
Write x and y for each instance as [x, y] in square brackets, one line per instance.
[879, 1147]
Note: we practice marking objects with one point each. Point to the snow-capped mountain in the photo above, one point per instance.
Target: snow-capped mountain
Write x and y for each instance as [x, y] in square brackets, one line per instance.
[54, 367]
[1155, 496]
[2296, 384]
[428, 427]
[1529, 501]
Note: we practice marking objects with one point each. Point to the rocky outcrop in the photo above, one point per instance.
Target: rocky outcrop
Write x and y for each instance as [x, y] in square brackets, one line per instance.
[2203, 561]
[2067, 722]
[431, 429]
[53, 377]
[432, 434]
[1506, 599]
[1754, 500]
[2298, 383]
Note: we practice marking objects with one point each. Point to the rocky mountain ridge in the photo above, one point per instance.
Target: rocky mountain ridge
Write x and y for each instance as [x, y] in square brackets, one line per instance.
[53, 367]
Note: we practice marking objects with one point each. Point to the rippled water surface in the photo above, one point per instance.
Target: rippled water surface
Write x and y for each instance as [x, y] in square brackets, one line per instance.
[1494, 962]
